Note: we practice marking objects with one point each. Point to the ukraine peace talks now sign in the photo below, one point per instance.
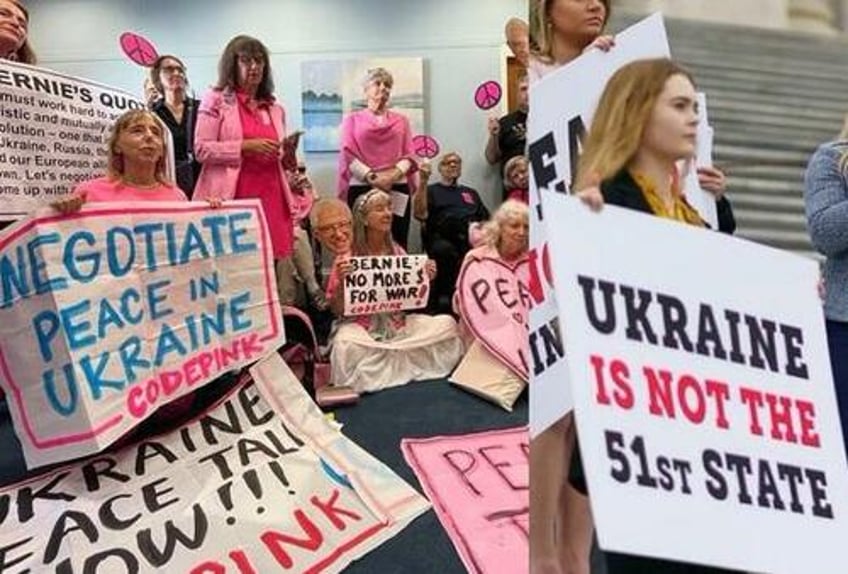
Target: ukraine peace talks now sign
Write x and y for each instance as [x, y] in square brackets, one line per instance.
[111, 312]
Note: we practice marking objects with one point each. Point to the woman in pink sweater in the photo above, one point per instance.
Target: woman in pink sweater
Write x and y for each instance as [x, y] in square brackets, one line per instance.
[376, 152]
[136, 168]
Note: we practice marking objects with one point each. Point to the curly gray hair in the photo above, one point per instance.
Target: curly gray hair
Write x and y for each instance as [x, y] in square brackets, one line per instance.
[510, 210]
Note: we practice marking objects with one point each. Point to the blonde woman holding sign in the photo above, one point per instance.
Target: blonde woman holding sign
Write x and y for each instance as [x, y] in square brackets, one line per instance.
[374, 352]
[644, 124]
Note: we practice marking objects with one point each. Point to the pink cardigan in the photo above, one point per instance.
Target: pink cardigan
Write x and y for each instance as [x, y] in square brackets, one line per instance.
[377, 146]
[217, 144]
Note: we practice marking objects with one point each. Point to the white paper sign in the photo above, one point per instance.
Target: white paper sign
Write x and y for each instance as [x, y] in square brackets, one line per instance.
[53, 132]
[109, 313]
[259, 483]
[561, 114]
[706, 412]
[379, 284]
[702, 200]
[399, 203]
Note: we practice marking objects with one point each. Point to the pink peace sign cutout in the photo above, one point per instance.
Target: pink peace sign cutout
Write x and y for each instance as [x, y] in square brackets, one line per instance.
[425, 146]
[487, 95]
[138, 49]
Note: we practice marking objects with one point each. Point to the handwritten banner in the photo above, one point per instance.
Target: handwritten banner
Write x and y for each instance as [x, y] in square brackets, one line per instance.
[109, 313]
[556, 128]
[494, 300]
[243, 488]
[53, 132]
[706, 412]
[386, 283]
[479, 487]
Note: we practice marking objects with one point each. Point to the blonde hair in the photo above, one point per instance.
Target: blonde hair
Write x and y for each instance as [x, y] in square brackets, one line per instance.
[541, 31]
[509, 210]
[623, 112]
[116, 160]
[511, 165]
[361, 208]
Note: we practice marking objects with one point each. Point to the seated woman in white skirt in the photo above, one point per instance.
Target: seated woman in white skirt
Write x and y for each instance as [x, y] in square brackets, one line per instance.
[374, 352]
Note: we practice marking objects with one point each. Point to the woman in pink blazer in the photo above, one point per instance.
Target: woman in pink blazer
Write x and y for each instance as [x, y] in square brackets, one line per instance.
[239, 140]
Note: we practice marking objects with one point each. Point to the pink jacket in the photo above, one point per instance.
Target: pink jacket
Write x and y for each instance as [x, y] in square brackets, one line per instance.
[217, 145]
[376, 146]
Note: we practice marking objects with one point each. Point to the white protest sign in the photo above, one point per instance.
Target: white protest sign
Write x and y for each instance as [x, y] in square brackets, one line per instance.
[563, 104]
[706, 412]
[702, 200]
[243, 488]
[53, 132]
[378, 284]
[108, 313]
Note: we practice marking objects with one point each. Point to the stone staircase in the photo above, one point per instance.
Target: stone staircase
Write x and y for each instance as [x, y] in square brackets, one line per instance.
[772, 97]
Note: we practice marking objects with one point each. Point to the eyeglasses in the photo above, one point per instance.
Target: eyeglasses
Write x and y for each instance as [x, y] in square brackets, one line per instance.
[334, 227]
[301, 169]
[173, 70]
[247, 60]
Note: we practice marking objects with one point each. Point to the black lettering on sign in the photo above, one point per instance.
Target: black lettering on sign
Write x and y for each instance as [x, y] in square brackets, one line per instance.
[576, 135]
[159, 555]
[542, 153]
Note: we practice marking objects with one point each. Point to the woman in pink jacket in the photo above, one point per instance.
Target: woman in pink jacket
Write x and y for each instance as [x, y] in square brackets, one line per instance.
[376, 152]
[239, 140]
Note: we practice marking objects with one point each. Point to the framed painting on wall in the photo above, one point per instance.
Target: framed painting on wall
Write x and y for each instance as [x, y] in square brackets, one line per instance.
[332, 88]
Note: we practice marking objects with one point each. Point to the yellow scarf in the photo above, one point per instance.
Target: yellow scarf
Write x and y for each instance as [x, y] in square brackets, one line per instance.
[680, 211]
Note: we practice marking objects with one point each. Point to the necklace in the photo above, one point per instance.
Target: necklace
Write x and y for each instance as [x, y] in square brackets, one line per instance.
[129, 183]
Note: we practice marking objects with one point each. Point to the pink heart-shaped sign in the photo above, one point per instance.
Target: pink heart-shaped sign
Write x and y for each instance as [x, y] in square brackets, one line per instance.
[494, 301]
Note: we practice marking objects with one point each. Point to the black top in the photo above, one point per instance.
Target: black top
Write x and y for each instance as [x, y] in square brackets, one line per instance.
[512, 137]
[453, 202]
[182, 132]
[623, 191]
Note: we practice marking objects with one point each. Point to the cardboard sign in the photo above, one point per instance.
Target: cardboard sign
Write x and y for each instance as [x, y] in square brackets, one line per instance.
[706, 411]
[479, 487]
[53, 132]
[379, 284]
[493, 301]
[243, 488]
[556, 128]
[109, 313]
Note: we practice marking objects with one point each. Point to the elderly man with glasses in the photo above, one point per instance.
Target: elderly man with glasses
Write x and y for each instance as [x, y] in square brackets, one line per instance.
[447, 211]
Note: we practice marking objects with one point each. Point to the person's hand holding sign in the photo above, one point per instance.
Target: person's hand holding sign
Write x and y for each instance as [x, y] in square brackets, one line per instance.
[70, 203]
[343, 266]
[603, 43]
[591, 194]
[214, 202]
[494, 126]
[712, 180]
[430, 267]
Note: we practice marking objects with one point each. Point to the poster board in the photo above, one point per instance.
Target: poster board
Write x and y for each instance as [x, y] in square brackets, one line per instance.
[110, 312]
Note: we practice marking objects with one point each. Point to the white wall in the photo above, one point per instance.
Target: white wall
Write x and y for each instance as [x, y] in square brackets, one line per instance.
[460, 40]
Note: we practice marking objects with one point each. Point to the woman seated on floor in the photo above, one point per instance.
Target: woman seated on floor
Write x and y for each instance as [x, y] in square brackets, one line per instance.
[374, 352]
[504, 238]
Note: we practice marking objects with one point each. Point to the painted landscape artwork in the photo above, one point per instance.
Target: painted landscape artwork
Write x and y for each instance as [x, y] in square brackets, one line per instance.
[332, 88]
